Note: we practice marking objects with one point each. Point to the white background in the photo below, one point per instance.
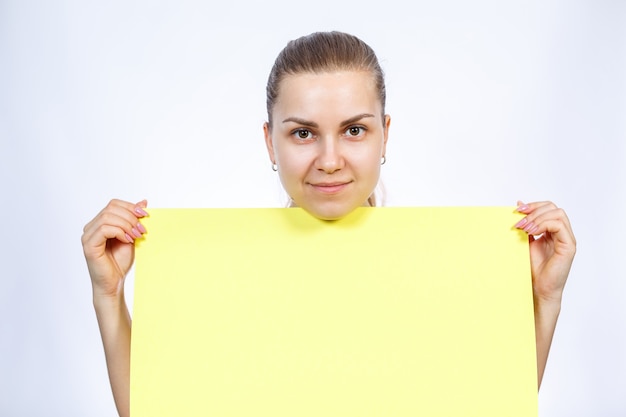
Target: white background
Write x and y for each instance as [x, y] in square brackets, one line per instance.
[490, 101]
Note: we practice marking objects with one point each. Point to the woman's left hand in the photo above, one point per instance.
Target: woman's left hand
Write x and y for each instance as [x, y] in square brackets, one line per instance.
[552, 248]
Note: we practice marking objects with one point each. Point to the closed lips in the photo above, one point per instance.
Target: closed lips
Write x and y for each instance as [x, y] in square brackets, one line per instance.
[330, 187]
[330, 184]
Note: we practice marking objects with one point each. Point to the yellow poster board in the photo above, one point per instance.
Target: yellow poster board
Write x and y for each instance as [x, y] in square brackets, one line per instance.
[387, 312]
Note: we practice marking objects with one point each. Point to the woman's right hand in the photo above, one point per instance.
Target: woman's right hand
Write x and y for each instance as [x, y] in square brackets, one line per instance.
[108, 245]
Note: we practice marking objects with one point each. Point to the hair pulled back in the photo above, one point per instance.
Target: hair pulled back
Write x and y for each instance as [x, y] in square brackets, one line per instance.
[322, 52]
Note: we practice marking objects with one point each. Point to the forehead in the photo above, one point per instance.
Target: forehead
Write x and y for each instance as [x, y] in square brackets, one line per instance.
[317, 94]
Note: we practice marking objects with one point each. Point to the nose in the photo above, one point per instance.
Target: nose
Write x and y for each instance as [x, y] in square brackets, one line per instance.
[329, 158]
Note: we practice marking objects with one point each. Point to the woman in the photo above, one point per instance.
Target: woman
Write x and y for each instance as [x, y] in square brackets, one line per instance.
[326, 137]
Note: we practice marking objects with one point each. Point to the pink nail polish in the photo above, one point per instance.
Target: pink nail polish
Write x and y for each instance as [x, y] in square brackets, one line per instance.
[129, 238]
[141, 228]
[523, 208]
[135, 232]
[521, 222]
[141, 211]
[529, 227]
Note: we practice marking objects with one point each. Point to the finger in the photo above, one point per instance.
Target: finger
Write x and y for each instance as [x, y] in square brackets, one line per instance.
[140, 208]
[542, 211]
[94, 244]
[528, 208]
[562, 237]
[109, 218]
[130, 212]
[558, 230]
[557, 215]
[535, 210]
[114, 215]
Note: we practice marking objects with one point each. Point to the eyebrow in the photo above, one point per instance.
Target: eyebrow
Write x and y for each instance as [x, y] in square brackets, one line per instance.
[309, 123]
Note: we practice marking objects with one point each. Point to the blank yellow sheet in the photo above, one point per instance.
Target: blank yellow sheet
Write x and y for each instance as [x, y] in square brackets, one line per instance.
[390, 312]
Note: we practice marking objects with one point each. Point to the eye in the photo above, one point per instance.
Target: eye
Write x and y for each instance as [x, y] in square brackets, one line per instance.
[303, 134]
[355, 131]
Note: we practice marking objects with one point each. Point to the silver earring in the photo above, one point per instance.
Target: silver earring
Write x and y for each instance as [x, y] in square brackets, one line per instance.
[383, 160]
[274, 167]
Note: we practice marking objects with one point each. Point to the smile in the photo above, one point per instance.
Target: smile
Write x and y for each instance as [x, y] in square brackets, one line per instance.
[331, 187]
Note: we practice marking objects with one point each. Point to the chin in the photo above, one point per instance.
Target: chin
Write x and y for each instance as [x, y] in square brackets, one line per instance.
[330, 212]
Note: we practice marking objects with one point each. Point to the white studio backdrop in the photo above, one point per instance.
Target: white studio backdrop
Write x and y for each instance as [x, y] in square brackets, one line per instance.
[491, 102]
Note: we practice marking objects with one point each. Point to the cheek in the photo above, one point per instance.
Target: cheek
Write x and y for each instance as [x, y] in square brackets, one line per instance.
[294, 157]
[292, 166]
[368, 162]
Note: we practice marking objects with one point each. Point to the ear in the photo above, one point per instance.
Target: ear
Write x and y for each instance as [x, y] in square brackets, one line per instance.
[267, 132]
[386, 124]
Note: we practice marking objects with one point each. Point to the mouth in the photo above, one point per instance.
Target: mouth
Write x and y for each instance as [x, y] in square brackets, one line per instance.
[330, 187]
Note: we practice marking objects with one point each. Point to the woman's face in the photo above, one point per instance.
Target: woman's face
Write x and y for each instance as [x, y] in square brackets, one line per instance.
[327, 138]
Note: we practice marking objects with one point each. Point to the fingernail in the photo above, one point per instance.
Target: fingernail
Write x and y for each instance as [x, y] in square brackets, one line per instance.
[523, 208]
[141, 228]
[521, 222]
[533, 230]
[129, 238]
[135, 232]
[529, 227]
[140, 211]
